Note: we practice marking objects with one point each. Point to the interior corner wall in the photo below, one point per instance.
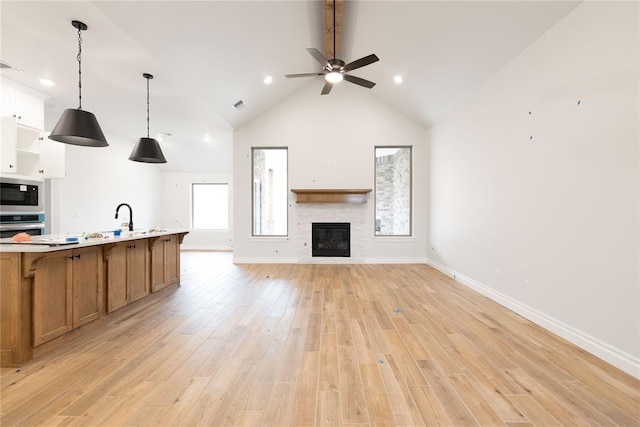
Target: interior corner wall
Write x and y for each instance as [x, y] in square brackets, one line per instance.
[97, 180]
[176, 209]
[535, 183]
[330, 142]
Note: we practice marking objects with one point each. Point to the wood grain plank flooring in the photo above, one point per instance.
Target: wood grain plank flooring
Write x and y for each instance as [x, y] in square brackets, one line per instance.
[317, 345]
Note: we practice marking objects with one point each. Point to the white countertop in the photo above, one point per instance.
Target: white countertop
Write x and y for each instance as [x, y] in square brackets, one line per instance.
[57, 242]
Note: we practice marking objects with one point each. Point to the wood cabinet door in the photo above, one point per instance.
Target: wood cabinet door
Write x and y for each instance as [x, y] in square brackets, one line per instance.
[117, 277]
[172, 261]
[87, 285]
[138, 270]
[157, 264]
[10, 313]
[165, 262]
[52, 296]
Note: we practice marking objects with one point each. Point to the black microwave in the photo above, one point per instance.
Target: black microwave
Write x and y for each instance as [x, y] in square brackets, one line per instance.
[21, 195]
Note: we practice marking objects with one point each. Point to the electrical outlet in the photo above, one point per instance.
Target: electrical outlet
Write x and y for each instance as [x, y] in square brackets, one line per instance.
[498, 274]
[526, 285]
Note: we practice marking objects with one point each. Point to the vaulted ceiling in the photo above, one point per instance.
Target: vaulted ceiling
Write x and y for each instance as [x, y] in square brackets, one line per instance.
[208, 55]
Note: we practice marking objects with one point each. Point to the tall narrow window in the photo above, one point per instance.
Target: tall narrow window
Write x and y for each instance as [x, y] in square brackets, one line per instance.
[393, 191]
[270, 195]
[210, 206]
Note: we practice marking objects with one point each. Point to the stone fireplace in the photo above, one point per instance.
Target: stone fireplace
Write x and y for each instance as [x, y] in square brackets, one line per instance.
[331, 206]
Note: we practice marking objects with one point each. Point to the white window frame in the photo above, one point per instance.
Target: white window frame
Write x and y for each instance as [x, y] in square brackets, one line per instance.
[411, 195]
[253, 196]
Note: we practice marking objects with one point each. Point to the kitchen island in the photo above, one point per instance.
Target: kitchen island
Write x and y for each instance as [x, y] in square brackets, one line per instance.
[51, 286]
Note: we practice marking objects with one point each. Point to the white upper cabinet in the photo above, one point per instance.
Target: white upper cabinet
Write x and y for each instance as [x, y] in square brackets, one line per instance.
[52, 162]
[27, 109]
[7, 102]
[25, 149]
[8, 145]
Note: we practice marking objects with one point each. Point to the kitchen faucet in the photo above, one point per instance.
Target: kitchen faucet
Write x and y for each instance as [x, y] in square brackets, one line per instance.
[130, 214]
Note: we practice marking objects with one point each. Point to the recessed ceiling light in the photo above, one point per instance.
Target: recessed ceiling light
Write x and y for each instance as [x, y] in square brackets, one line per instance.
[397, 79]
[206, 138]
[268, 80]
[46, 82]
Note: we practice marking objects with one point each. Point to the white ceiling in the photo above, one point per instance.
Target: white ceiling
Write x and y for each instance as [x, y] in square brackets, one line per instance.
[207, 55]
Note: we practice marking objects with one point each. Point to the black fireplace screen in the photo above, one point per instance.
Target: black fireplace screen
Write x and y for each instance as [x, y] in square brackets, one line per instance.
[331, 239]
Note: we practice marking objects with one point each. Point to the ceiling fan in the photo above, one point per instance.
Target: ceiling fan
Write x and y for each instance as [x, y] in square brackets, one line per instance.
[335, 70]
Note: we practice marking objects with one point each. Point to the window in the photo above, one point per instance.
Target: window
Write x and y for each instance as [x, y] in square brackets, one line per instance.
[393, 191]
[210, 206]
[270, 197]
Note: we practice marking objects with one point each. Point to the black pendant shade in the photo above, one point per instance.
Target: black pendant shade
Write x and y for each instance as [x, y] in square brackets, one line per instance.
[147, 150]
[78, 127]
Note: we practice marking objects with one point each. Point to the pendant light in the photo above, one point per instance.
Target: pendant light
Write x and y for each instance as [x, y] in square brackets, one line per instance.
[147, 150]
[76, 126]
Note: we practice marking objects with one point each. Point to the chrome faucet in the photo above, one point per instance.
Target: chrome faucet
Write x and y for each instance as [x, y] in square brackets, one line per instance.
[130, 214]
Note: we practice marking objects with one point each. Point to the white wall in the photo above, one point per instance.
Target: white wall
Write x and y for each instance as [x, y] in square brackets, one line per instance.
[98, 179]
[331, 143]
[560, 209]
[176, 212]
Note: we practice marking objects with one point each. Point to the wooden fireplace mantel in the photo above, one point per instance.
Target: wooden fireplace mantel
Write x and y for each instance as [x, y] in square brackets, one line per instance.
[331, 195]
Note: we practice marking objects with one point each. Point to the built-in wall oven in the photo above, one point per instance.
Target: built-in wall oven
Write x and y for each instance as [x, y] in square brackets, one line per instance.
[11, 224]
[21, 206]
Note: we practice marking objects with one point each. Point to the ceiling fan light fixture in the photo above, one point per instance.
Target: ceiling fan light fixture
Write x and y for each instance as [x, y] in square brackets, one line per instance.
[334, 77]
[335, 70]
[76, 126]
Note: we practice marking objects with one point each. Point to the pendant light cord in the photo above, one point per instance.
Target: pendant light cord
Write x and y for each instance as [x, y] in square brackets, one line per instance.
[147, 107]
[79, 57]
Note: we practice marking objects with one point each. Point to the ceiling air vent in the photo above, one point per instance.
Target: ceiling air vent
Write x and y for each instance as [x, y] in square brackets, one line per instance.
[239, 105]
[5, 66]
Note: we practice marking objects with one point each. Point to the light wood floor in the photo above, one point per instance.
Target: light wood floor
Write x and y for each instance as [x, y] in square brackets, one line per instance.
[318, 345]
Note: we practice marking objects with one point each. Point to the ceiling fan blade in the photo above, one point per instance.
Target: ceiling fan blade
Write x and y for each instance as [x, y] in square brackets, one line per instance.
[303, 75]
[319, 57]
[327, 88]
[361, 62]
[359, 81]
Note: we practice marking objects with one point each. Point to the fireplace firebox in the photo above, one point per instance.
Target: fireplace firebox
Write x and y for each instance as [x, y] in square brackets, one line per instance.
[331, 239]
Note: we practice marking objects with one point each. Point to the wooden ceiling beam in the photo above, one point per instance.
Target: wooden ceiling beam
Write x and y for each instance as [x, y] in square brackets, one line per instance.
[329, 6]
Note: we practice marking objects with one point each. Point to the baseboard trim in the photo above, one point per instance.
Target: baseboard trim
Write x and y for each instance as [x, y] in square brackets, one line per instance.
[237, 260]
[221, 248]
[602, 350]
[329, 260]
[395, 261]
